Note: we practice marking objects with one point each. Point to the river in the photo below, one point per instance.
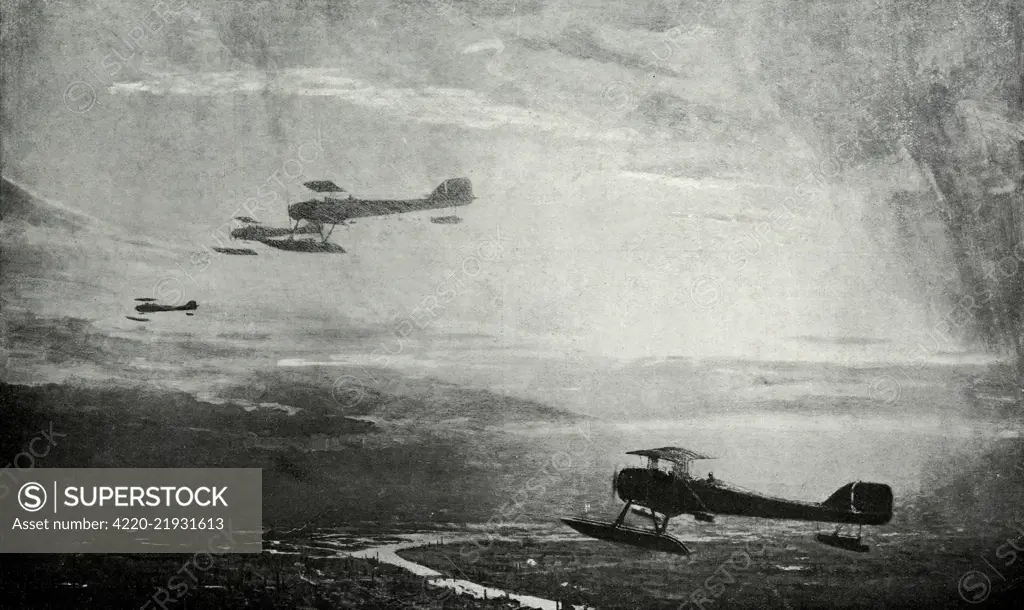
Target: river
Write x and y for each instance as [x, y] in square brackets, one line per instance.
[349, 546]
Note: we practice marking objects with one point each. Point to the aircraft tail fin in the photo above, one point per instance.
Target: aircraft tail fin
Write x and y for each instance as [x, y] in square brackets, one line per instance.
[454, 191]
[861, 497]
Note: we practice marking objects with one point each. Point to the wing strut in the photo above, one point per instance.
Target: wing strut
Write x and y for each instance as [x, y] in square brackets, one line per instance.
[622, 516]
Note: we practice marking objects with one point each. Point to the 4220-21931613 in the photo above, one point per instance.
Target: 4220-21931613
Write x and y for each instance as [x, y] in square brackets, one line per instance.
[168, 523]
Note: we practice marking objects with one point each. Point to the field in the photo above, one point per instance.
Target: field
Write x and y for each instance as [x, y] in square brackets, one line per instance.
[744, 565]
[901, 571]
[227, 582]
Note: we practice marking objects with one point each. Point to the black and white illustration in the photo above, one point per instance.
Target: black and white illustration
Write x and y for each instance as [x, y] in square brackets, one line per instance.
[687, 304]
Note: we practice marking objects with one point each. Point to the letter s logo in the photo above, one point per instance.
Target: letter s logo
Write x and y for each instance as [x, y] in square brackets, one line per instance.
[974, 587]
[32, 497]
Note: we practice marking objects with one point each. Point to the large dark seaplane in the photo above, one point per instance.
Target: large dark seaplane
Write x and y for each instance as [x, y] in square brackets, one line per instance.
[332, 211]
[148, 306]
[671, 491]
[324, 214]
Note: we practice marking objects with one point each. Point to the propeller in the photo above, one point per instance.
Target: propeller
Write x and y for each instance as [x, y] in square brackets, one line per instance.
[615, 479]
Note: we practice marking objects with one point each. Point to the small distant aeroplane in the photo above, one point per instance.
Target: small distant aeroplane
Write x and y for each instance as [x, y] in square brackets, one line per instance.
[333, 211]
[675, 492]
[154, 308]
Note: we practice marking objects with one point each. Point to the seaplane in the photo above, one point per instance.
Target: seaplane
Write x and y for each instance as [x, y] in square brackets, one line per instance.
[334, 209]
[664, 486]
[149, 306]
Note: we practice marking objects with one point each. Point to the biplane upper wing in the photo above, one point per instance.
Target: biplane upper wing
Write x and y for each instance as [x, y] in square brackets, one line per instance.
[323, 186]
[676, 455]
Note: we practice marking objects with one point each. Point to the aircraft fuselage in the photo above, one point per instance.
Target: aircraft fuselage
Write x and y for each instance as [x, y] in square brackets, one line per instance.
[665, 493]
[453, 192]
[153, 307]
[336, 211]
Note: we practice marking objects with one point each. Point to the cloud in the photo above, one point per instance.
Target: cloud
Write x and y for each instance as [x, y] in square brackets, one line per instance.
[433, 105]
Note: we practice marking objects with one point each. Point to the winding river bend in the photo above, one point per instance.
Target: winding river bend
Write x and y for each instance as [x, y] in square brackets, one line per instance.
[356, 547]
[388, 553]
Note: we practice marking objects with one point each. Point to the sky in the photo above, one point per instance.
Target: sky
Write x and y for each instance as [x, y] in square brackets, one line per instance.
[639, 194]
